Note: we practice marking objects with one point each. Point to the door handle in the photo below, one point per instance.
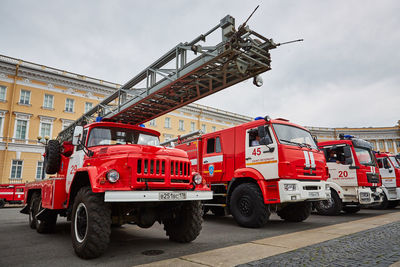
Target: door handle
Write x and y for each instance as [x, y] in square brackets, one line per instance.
[206, 161]
[248, 158]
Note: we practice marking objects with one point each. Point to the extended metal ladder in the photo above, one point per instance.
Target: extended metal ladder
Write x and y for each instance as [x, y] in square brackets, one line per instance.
[173, 80]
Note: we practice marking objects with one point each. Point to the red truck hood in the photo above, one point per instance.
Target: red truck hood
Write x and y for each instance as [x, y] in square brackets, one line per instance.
[100, 151]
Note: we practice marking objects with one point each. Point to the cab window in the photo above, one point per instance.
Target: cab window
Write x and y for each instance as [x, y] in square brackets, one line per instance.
[213, 145]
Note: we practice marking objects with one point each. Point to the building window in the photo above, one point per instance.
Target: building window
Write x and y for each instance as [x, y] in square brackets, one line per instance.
[69, 105]
[168, 137]
[381, 145]
[88, 106]
[152, 122]
[16, 169]
[45, 129]
[66, 123]
[389, 144]
[48, 101]
[20, 132]
[398, 143]
[39, 170]
[167, 122]
[3, 93]
[203, 128]
[192, 126]
[181, 125]
[213, 128]
[25, 97]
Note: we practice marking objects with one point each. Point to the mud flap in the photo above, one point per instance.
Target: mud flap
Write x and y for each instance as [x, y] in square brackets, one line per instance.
[25, 210]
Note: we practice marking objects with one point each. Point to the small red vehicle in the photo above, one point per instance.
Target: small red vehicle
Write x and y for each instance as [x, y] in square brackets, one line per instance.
[259, 167]
[11, 193]
[389, 168]
[354, 176]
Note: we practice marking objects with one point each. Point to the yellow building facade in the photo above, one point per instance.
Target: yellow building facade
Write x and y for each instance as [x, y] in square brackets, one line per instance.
[39, 101]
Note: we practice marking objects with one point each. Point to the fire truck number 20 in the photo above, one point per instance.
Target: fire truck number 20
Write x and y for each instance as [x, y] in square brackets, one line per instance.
[343, 174]
[73, 169]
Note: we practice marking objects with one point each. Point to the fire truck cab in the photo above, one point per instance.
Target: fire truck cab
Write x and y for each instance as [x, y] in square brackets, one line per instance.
[259, 167]
[354, 176]
[11, 193]
[389, 168]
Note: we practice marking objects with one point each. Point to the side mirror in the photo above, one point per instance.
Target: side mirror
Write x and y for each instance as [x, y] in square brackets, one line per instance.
[78, 131]
[314, 137]
[348, 160]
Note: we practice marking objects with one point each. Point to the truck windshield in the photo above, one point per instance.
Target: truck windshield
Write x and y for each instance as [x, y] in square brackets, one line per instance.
[395, 162]
[102, 136]
[364, 156]
[291, 135]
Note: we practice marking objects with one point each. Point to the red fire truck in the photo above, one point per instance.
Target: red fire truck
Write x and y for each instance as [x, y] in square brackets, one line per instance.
[354, 176]
[11, 193]
[113, 171]
[389, 168]
[259, 167]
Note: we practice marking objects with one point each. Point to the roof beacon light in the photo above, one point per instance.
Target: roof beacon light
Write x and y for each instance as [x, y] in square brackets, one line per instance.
[258, 118]
[346, 136]
[98, 119]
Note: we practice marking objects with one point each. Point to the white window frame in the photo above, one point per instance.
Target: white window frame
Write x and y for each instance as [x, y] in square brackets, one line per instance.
[66, 123]
[22, 169]
[47, 120]
[192, 126]
[86, 104]
[213, 129]
[181, 125]
[41, 171]
[167, 123]
[20, 97]
[152, 122]
[52, 101]
[2, 116]
[73, 105]
[23, 117]
[3, 87]
[203, 128]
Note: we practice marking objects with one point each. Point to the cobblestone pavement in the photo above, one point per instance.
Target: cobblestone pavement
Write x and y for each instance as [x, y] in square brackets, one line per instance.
[379, 246]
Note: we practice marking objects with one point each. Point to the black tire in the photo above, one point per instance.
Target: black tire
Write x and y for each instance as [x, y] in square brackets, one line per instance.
[331, 207]
[185, 226]
[91, 224]
[205, 210]
[33, 208]
[351, 209]
[247, 206]
[393, 204]
[2, 203]
[218, 211]
[53, 157]
[47, 225]
[383, 205]
[295, 212]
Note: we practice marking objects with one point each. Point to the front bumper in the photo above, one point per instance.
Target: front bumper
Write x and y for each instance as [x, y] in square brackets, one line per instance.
[304, 191]
[392, 193]
[156, 196]
[367, 196]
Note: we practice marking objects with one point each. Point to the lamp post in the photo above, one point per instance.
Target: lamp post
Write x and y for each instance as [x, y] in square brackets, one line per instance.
[46, 140]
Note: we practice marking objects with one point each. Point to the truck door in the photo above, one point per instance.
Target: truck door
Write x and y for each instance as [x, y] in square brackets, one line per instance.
[75, 162]
[387, 172]
[213, 159]
[340, 161]
[263, 158]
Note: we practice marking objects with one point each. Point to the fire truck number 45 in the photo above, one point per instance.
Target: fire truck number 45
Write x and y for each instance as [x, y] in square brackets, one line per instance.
[256, 152]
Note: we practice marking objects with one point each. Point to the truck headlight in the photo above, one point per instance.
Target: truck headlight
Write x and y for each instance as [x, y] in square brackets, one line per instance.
[112, 176]
[364, 194]
[289, 187]
[197, 179]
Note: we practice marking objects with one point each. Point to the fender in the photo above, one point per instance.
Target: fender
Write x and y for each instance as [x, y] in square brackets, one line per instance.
[247, 173]
[339, 190]
[91, 172]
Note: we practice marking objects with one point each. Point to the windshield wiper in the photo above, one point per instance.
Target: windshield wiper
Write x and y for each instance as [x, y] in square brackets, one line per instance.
[291, 142]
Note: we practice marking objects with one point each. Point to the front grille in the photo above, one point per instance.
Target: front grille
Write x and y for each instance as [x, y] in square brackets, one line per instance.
[156, 171]
[372, 178]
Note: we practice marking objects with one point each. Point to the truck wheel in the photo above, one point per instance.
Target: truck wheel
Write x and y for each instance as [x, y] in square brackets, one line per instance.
[2, 203]
[53, 157]
[33, 208]
[295, 212]
[47, 225]
[383, 205]
[351, 210]
[91, 224]
[186, 225]
[330, 207]
[393, 204]
[247, 206]
[218, 211]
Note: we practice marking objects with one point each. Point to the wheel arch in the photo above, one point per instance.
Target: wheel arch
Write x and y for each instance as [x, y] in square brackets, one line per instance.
[338, 189]
[80, 180]
[235, 182]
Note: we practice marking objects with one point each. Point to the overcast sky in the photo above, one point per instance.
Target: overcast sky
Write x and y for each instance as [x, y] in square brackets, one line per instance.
[345, 73]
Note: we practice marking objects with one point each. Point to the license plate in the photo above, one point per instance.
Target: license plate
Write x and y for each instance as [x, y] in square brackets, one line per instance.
[172, 196]
[313, 194]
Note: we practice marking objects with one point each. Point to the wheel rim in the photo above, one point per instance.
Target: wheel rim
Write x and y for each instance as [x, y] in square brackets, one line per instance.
[81, 222]
[327, 204]
[245, 206]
